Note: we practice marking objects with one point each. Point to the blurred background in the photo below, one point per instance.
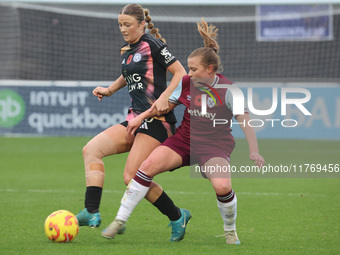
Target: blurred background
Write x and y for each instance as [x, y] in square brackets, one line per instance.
[53, 54]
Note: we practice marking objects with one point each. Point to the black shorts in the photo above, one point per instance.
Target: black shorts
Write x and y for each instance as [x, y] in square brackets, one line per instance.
[160, 130]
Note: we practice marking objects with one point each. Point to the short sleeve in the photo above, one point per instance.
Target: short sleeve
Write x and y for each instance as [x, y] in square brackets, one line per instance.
[229, 102]
[174, 98]
[164, 57]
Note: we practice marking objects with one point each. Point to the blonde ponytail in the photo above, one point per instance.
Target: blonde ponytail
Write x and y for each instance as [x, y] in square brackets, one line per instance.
[208, 53]
[209, 34]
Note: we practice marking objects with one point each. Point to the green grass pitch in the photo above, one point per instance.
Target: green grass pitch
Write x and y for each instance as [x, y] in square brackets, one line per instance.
[275, 215]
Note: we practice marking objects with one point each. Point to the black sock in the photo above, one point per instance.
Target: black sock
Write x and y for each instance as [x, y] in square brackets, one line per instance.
[166, 206]
[92, 198]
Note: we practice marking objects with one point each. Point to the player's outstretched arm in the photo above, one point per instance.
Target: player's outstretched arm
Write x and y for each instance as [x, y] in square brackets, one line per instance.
[134, 124]
[249, 132]
[161, 104]
[100, 92]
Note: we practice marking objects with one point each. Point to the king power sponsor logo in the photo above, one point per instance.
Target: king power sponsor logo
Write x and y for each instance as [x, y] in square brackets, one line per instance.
[238, 106]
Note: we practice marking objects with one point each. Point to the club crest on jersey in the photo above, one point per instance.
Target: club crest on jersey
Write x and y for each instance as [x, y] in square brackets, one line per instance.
[137, 57]
[210, 102]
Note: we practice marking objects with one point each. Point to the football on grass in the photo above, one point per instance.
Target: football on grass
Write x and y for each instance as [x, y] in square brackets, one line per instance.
[61, 226]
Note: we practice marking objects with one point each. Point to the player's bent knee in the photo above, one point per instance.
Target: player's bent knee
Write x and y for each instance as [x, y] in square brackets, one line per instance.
[84, 150]
[127, 178]
[149, 166]
[223, 187]
[91, 152]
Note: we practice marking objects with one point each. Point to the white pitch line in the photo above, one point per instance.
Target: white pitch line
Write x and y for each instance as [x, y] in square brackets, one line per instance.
[187, 193]
[220, 235]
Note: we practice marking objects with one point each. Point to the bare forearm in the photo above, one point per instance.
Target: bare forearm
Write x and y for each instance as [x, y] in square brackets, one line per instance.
[249, 133]
[117, 85]
[147, 114]
[252, 139]
[178, 71]
[172, 85]
[138, 120]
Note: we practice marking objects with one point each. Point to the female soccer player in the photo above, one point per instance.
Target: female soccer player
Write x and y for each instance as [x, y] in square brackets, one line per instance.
[196, 139]
[145, 62]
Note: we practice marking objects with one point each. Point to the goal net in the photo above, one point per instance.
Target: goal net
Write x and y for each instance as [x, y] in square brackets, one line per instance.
[53, 55]
[82, 42]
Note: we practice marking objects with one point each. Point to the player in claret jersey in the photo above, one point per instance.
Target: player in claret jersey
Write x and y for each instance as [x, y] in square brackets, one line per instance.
[145, 62]
[196, 140]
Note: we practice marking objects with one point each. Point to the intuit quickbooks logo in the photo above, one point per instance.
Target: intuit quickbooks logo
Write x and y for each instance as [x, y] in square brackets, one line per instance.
[12, 108]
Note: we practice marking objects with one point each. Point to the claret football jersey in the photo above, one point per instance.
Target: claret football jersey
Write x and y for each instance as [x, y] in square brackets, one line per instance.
[198, 128]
